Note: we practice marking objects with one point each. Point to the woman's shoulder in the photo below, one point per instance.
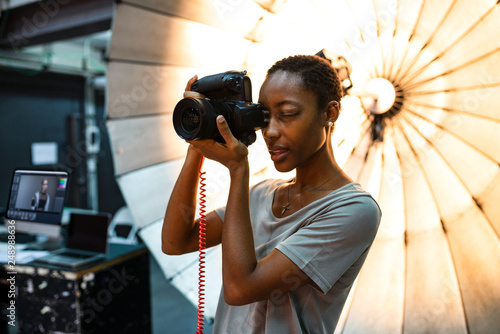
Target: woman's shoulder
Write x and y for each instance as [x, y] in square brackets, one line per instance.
[351, 190]
[352, 197]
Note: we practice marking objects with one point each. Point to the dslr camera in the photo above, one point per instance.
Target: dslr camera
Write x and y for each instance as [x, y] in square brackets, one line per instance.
[228, 94]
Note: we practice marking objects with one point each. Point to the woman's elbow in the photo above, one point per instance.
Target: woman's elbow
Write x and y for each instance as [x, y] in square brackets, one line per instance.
[169, 249]
[165, 249]
[235, 296]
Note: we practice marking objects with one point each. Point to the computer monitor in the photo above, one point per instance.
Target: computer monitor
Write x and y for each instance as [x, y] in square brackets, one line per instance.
[36, 202]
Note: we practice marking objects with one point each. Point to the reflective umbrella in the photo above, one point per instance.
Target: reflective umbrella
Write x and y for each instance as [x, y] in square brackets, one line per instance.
[420, 129]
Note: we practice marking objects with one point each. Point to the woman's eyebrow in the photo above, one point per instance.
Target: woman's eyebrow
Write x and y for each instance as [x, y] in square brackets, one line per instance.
[285, 102]
[294, 103]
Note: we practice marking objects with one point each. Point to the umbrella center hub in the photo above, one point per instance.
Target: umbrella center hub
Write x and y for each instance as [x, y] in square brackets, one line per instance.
[380, 96]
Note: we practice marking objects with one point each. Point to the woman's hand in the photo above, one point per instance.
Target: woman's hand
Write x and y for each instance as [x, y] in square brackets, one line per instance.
[189, 93]
[233, 154]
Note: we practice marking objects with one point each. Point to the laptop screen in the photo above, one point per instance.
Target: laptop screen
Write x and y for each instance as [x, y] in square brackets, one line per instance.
[37, 196]
[88, 232]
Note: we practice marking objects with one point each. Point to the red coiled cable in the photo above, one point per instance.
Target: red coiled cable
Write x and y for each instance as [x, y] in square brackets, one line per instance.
[201, 251]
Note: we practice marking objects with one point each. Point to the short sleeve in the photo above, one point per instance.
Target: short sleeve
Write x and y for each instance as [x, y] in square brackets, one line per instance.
[220, 212]
[327, 246]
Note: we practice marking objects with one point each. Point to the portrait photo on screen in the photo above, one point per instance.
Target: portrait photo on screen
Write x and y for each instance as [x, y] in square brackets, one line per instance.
[37, 193]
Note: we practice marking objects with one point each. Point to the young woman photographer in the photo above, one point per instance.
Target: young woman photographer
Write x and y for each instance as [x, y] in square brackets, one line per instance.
[291, 249]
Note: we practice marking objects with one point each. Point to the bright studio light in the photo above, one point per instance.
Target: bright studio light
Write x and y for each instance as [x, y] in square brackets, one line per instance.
[382, 96]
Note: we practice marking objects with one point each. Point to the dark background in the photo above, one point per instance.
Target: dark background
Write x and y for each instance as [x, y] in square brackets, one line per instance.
[49, 107]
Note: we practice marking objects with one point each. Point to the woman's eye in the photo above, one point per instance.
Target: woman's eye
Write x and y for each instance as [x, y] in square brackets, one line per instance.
[288, 114]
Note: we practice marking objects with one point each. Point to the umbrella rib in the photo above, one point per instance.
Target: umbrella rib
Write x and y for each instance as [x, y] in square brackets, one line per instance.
[378, 38]
[454, 110]
[429, 40]
[366, 154]
[455, 89]
[356, 147]
[383, 166]
[391, 125]
[450, 166]
[407, 46]
[393, 49]
[251, 35]
[268, 8]
[366, 129]
[447, 131]
[391, 60]
[355, 20]
[452, 45]
[470, 62]
[346, 41]
[358, 26]
[364, 126]
[420, 165]
[361, 61]
[403, 185]
[429, 186]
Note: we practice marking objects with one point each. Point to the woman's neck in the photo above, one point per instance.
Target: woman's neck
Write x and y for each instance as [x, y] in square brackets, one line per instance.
[319, 167]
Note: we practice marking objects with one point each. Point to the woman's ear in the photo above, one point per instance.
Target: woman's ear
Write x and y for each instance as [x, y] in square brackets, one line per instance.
[333, 111]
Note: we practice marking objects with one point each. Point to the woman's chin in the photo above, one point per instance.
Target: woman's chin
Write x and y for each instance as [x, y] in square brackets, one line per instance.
[282, 167]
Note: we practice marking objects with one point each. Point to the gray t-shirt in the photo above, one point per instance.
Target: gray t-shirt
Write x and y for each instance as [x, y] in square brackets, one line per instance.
[328, 240]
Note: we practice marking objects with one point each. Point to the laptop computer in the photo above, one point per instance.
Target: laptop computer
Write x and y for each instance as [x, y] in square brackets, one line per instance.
[86, 241]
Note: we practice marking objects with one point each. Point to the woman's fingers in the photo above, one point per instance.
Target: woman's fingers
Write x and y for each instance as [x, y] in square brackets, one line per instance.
[225, 131]
[190, 82]
[232, 153]
[189, 93]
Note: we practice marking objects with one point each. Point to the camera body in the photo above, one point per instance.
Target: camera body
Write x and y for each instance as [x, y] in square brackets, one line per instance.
[228, 94]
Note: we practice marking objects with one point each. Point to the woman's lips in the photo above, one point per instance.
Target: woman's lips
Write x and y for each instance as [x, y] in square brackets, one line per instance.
[277, 153]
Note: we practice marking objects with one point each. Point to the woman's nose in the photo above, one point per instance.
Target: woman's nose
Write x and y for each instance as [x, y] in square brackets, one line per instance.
[271, 130]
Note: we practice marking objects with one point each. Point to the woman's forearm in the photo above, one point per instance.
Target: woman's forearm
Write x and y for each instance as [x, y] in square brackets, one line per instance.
[238, 252]
[178, 223]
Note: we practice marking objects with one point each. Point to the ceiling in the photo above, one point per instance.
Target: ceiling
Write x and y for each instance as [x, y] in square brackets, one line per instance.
[70, 38]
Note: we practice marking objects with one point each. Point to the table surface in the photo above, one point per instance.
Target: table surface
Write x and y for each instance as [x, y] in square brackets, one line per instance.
[116, 253]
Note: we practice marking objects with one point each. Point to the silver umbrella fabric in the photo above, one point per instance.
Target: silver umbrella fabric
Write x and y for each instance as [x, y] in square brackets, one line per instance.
[420, 129]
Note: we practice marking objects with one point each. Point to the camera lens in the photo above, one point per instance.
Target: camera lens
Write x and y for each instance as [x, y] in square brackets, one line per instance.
[191, 119]
[194, 118]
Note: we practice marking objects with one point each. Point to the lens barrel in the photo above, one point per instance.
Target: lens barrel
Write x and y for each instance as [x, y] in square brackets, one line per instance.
[195, 119]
